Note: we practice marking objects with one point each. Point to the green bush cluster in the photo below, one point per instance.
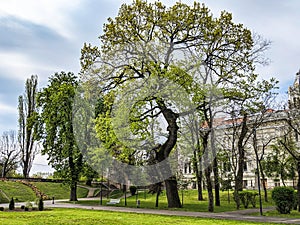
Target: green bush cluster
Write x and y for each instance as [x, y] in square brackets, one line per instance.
[284, 199]
[248, 197]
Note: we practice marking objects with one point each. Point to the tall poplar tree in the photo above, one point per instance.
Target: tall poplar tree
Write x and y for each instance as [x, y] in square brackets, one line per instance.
[28, 125]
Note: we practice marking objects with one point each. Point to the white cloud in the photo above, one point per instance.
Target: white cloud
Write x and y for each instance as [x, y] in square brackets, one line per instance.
[18, 66]
[50, 13]
[7, 109]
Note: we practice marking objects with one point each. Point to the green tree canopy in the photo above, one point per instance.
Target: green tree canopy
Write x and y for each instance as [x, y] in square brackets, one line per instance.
[56, 128]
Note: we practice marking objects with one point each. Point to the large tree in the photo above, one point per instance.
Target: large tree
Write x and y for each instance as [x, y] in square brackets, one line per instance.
[184, 44]
[56, 128]
[9, 152]
[28, 125]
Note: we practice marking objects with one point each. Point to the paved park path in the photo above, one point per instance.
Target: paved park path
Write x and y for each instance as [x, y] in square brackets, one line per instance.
[241, 215]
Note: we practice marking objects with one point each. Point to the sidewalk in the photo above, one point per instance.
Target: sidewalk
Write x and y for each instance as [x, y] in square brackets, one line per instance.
[241, 215]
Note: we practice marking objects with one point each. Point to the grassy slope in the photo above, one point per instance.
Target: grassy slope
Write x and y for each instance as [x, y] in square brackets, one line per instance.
[18, 191]
[59, 190]
[22, 193]
[78, 216]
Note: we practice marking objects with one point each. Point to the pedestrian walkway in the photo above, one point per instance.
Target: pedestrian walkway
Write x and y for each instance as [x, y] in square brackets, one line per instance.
[241, 215]
[91, 192]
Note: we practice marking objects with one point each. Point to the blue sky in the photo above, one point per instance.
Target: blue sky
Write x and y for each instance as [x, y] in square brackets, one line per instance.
[43, 37]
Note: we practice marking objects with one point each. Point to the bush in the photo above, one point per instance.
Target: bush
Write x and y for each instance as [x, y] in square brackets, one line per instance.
[41, 205]
[284, 199]
[247, 197]
[28, 205]
[132, 190]
[11, 205]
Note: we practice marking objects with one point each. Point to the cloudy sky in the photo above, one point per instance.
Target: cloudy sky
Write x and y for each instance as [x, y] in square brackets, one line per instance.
[43, 37]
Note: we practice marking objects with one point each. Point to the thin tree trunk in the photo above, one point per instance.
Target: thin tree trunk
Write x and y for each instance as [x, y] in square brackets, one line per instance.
[200, 189]
[209, 189]
[156, 200]
[217, 183]
[158, 191]
[298, 184]
[198, 173]
[264, 183]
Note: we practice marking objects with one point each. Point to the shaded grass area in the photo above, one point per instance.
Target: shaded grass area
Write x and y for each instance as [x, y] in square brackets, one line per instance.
[80, 216]
[18, 191]
[59, 190]
[190, 202]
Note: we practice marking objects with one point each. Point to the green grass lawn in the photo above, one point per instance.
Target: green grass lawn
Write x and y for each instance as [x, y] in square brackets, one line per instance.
[59, 190]
[275, 213]
[88, 217]
[18, 191]
[190, 202]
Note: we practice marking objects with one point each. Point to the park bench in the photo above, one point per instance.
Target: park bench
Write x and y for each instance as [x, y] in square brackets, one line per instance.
[113, 201]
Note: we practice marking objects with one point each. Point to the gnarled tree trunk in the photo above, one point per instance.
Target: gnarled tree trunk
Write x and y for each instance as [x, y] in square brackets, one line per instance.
[164, 152]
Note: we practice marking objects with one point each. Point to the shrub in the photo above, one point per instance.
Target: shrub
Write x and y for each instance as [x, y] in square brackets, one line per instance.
[284, 199]
[28, 205]
[41, 205]
[247, 197]
[132, 190]
[11, 205]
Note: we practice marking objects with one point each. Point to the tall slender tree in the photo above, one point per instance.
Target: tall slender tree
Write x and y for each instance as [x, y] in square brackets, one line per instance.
[56, 128]
[28, 125]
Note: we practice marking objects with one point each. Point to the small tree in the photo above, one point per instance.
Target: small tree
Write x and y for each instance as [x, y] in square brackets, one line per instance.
[9, 152]
[11, 205]
[41, 205]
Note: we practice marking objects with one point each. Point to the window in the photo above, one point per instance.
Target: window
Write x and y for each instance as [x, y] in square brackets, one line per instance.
[185, 168]
[245, 183]
[245, 166]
